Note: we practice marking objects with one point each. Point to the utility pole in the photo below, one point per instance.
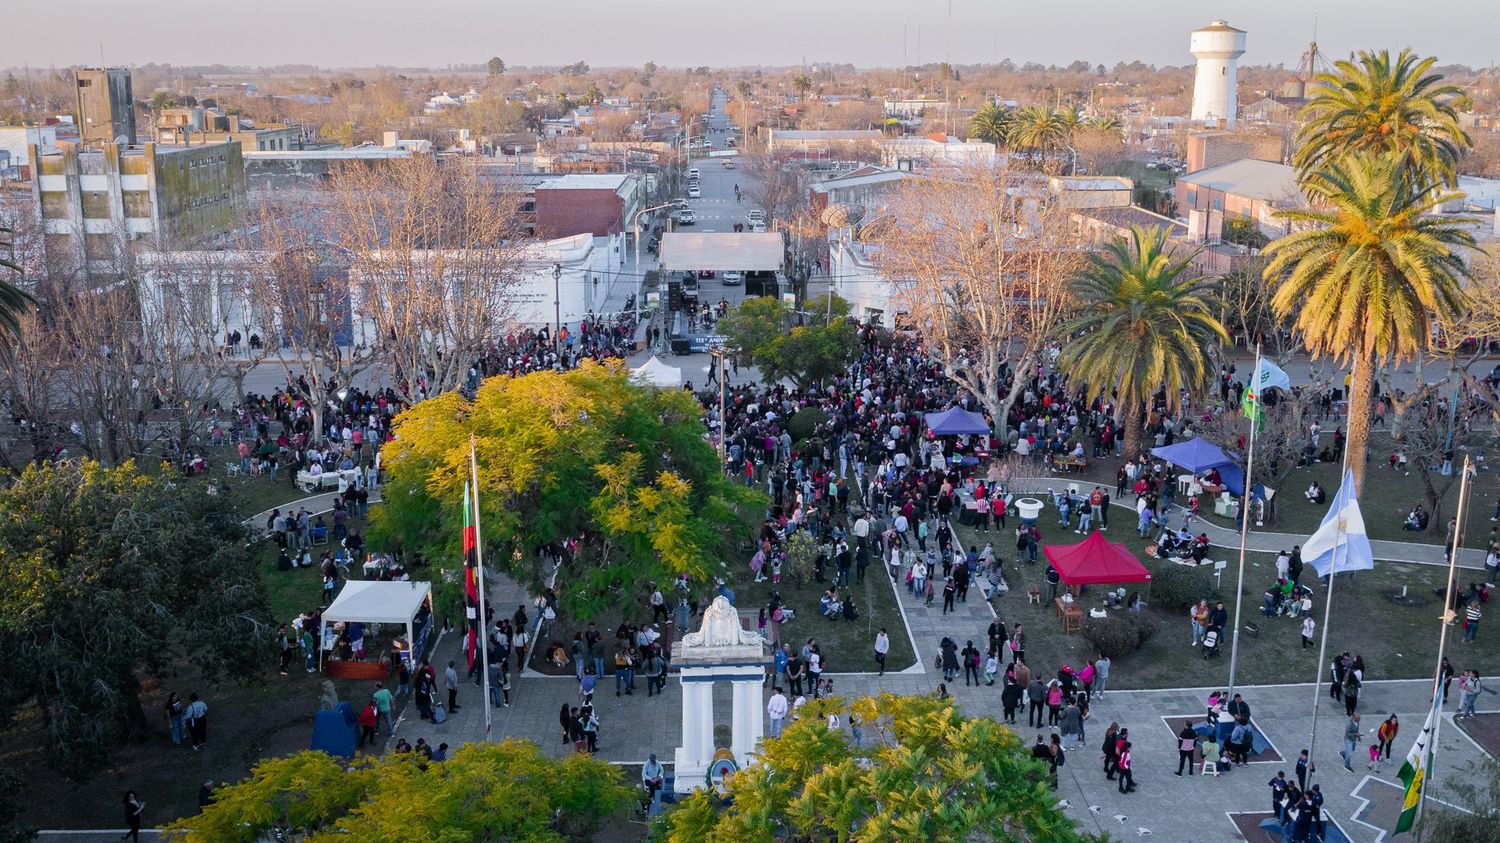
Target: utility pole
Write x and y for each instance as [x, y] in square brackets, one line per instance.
[557, 307]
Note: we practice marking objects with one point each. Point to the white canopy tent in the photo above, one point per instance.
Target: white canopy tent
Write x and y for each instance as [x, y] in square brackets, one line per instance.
[657, 373]
[722, 251]
[371, 601]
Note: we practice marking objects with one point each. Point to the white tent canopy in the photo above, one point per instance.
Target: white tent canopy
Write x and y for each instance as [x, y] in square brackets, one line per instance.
[372, 601]
[657, 373]
[683, 251]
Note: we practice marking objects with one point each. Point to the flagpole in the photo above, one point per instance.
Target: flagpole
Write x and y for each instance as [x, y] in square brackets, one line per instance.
[1447, 619]
[1248, 497]
[484, 637]
[1333, 571]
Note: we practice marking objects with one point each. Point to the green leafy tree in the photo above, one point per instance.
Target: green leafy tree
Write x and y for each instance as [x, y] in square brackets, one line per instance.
[925, 772]
[584, 453]
[1144, 323]
[1383, 105]
[992, 124]
[1038, 130]
[110, 574]
[496, 66]
[757, 330]
[1365, 274]
[484, 792]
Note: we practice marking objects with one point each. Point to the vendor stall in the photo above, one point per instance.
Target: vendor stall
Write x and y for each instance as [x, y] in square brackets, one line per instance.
[1093, 561]
[404, 603]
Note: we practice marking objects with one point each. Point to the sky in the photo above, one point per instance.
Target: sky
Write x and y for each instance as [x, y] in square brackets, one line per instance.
[677, 33]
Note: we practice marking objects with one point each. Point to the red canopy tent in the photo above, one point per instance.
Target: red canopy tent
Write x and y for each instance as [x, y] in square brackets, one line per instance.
[1096, 561]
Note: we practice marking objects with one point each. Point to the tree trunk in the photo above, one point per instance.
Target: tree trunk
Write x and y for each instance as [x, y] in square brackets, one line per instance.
[1134, 413]
[1360, 391]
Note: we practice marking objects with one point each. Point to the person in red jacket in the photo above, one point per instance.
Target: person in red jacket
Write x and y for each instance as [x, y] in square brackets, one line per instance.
[367, 720]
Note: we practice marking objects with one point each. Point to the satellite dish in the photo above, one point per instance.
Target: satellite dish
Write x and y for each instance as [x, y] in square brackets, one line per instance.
[843, 215]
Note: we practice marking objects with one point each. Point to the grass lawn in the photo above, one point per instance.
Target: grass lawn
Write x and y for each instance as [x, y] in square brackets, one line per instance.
[1387, 497]
[1142, 176]
[847, 646]
[1397, 639]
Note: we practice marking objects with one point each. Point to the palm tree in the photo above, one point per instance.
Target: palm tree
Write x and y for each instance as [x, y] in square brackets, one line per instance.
[1145, 322]
[1038, 130]
[1072, 121]
[801, 84]
[991, 123]
[13, 300]
[1366, 277]
[1105, 125]
[1380, 104]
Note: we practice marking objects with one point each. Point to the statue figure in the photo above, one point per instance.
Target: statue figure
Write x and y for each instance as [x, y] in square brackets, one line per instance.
[721, 628]
[329, 698]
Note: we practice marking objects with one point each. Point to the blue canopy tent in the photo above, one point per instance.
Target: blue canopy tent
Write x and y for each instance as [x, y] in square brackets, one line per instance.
[1195, 455]
[957, 422]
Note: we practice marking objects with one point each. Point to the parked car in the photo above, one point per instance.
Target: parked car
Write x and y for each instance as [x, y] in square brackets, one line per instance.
[693, 173]
[685, 216]
[694, 192]
[733, 279]
[705, 273]
[756, 215]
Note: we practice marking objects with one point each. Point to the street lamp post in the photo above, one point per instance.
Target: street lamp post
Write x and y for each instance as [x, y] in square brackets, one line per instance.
[640, 278]
[557, 307]
[719, 352]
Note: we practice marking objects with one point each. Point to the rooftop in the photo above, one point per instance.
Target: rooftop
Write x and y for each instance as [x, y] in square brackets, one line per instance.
[1131, 215]
[1250, 178]
[587, 181]
[826, 134]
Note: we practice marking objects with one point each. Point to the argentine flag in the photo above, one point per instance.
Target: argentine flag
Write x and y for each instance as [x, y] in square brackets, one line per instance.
[1343, 534]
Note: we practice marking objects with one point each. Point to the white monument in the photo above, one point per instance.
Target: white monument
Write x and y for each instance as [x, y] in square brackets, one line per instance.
[721, 650]
[1217, 47]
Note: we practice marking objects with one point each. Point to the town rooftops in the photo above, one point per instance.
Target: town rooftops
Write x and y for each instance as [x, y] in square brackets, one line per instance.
[1250, 178]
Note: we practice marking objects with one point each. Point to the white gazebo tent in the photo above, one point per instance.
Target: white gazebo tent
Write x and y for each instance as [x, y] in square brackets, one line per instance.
[371, 601]
[657, 373]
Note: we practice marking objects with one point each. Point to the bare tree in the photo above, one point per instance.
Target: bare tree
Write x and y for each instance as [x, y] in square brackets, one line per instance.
[435, 254]
[983, 263]
[297, 292]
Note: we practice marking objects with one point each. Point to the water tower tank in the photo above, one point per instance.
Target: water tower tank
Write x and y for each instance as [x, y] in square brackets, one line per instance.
[1217, 47]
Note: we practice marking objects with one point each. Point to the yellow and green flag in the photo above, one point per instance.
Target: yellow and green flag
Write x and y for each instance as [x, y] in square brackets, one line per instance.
[1416, 768]
[1267, 375]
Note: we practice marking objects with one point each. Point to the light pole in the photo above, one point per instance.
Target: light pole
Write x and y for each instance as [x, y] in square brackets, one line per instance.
[718, 352]
[640, 278]
[557, 307]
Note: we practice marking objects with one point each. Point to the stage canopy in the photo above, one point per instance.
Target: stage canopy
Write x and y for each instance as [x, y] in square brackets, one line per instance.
[1194, 455]
[957, 422]
[657, 373]
[1096, 561]
[721, 251]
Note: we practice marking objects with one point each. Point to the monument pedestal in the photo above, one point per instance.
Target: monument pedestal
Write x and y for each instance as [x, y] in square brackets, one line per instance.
[720, 651]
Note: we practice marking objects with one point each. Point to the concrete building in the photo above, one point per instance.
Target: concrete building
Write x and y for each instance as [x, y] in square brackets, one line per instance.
[309, 168]
[1102, 225]
[910, 109]
[1217, 47]
[96, 203]
[819, 142]
[1210, 149]
[937, 150]
[190, 126]
[597, 204]
[869, 187]
[1091, 191]
[1248, 189]
[106, 105]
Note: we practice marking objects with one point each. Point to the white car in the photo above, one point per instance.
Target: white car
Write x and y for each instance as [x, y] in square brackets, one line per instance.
[728, 165]
[757, 228]
[732, 279]
[756, 216]
[694, 192]
[693, 173]
[685, 216]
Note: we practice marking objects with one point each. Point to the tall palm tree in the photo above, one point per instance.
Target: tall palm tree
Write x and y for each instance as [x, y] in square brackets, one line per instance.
[991, 123]
[801, 84]
[13, 300]
[1037, 129]
[1379, 104]
[1145, 322]
[1105, 125]
[1366, 272]
[1072, 121]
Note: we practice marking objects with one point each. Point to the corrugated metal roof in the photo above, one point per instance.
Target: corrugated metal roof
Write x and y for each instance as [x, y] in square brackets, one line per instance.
[1250, 178]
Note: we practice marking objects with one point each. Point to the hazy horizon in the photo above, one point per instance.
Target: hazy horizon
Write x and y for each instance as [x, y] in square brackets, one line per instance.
[866, 33]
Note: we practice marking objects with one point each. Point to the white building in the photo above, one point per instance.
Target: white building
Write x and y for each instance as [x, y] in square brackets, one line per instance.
[871, 296]
[18, 140]
[916, 154]
[1217, 47]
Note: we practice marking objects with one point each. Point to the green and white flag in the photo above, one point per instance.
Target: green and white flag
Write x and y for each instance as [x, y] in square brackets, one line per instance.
[1414, 771]
[1267, 375]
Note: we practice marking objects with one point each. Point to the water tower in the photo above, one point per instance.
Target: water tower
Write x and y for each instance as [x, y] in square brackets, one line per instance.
[1216, 47]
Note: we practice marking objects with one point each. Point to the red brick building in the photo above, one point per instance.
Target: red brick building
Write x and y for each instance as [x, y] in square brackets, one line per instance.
[600, 204]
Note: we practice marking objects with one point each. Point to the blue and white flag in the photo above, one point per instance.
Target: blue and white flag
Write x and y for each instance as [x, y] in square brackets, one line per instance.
[1342, 534]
